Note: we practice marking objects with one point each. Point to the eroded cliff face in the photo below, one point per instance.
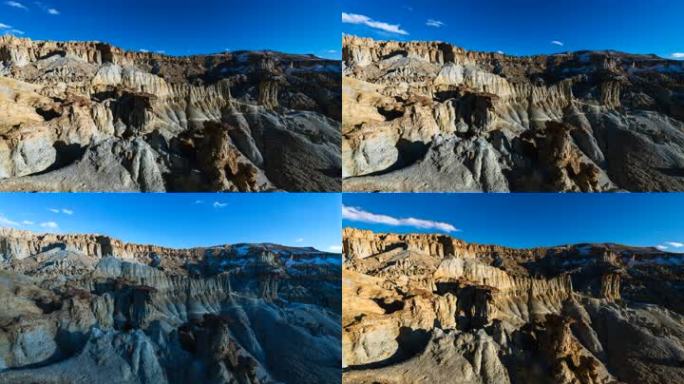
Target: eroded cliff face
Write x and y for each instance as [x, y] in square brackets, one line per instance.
[92, 309]
[82, 116]
[425, 116]
[434, 309]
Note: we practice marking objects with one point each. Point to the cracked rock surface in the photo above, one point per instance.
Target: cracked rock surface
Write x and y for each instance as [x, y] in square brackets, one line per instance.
[92, 309]
[429, 116]
[434, 309]
[87, 116]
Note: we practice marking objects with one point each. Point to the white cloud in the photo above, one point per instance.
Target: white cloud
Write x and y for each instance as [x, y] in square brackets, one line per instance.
[675, 244]
[335, 248]
[678, 55]
[63, 210]
[300, 240]
[199, 201]
[501, 52]
[331, 51]
[27, 222]
[558, 43]
[16, 4]
[16, 31]
[352, 18]
[53, 11]
[161, 52]
[144, 50]
[219, 205]
[49, 225]
[5, 26]
[661, 247]
[434, 23]
[358, 214]
[7, 222]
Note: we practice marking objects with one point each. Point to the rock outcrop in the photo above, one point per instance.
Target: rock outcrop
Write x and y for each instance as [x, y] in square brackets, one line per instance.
[425, 308]
[92, 309]
[82, 116]
[428, 116]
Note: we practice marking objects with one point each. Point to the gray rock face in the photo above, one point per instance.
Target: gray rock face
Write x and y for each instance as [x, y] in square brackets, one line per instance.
[91, 117]
[424, 116]
[85, 309]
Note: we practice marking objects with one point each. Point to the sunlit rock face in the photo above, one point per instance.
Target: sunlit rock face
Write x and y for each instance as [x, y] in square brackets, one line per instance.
[84, 116]
[428, 116]
[92, 309]
[434, 309]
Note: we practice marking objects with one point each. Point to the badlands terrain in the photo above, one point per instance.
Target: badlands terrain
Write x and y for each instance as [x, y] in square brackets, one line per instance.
[88, 116]
[429, 116]
[434, 309]
[91, 309]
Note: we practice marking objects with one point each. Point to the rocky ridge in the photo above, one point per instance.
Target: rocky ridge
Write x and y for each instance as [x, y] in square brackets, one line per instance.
[88, 116]
[421, 308]
[90, 308]
[430, 116]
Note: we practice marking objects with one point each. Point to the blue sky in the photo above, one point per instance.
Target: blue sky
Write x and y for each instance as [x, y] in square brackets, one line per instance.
[182, 220]
[525, 27]
[526, 220]
[182, 27]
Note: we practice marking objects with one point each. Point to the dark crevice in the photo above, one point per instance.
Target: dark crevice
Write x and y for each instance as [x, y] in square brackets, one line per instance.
[410, 152]
[390, 114]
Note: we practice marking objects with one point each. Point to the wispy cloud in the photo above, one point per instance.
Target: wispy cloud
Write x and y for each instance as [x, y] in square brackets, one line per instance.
[16, 4]
[46, 8]
[300, 240]
[16, 31]
[5, 26]
[678, 55]
[219, 205]
[558, 43]
[353, 18]
[501, 52]
[49, 225]
[661, 247]
[27, 222]
[62, 210]
[335, 248]
[675, 244]
[434, 23]
[358, 214]
[199, 202]
[144, 50]
[4, 221]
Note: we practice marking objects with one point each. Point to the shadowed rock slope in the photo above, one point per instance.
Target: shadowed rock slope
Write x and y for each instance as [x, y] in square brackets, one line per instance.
[429, 116]
[87, 116]
[434, 309]
[92, 309]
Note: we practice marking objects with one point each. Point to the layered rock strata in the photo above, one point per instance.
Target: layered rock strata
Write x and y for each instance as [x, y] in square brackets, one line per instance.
[429, 116]
[92, 309]
[433, 309]
[85, 116]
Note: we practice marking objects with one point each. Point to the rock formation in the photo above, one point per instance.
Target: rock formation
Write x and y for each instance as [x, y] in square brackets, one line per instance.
[428, 116]
[86, 116]
[422, 308]
[93, 309]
